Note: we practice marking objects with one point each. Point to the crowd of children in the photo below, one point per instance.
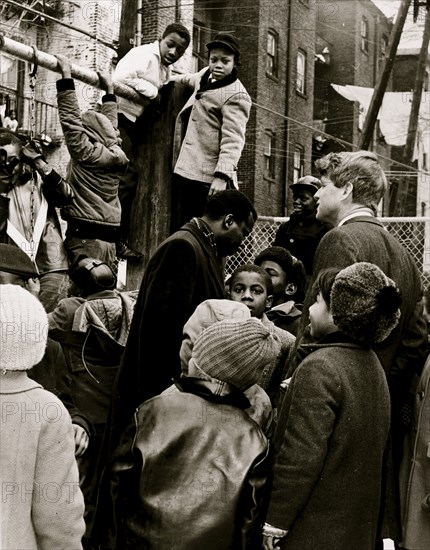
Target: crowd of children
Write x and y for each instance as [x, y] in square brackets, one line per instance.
[195, 413]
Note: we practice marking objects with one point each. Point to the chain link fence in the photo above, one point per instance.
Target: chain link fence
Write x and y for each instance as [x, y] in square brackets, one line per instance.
[413, 233]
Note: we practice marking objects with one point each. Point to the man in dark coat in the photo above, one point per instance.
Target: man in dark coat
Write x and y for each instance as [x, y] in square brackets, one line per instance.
[352, 186]
[302, 233]
[185, 270]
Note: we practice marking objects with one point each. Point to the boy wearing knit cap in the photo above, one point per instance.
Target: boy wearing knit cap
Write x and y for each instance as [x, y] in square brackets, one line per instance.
[42, 505]
[191, 468]
[206, 314]
[334, 421]
[252, 286]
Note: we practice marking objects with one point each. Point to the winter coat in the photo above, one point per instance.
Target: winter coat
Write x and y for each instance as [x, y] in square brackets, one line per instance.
[364, 239]
[301, 236]
[415, 472]
[215, 117]
[53, 374]
[142, 70]
[190, 472]
[286, 316]
[96, 165]
[93, 332]
[275, 371]
[402, 354]
[50, 254]
[331, 436]
[42, 506]
[183, 272]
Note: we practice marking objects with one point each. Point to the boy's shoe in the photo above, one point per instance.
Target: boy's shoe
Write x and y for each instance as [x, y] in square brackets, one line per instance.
[125, 252]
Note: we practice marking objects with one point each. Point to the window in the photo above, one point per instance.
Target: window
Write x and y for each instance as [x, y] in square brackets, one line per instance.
[364, 35]
[269, 157]
[301, 72]
[272, 54]
[299, 163]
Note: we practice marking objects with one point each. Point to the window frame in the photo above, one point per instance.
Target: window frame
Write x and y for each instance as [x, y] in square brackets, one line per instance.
[298, 168]
[364, 34]
[301, 54]
[272, 57]
[269, 157]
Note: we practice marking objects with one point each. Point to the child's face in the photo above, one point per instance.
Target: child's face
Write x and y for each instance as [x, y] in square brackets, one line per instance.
[172, 47]
[221, 63]
[279, 279]
[321, 318]
[250, 289]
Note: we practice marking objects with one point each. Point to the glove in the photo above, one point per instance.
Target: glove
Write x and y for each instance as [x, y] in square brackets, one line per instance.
[31, 152]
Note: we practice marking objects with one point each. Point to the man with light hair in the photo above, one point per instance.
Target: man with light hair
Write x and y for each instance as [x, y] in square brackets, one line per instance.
[353, 184]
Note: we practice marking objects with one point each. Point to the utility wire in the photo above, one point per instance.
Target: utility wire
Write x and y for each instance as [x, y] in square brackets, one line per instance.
[59, 22]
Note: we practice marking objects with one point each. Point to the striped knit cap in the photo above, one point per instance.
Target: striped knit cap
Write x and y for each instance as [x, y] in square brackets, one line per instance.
[23, 329]
[235, 351]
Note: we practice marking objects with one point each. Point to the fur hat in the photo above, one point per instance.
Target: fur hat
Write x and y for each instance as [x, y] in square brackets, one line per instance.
[364, 303]
[23, 329]
[235, 351]
[207, 313]
[14, 260]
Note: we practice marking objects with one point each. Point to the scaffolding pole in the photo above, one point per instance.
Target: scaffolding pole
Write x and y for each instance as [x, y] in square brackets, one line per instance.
[50, 62]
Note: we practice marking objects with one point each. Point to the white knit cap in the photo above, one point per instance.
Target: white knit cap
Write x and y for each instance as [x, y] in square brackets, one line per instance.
[23, 329]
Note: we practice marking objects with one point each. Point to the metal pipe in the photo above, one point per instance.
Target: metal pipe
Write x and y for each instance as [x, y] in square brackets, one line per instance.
[50, 62]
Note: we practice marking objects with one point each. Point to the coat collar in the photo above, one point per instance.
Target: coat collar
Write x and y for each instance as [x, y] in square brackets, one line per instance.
[205, 85]
[213, 390]
[16, 382]
[335, 339]
[366, 219]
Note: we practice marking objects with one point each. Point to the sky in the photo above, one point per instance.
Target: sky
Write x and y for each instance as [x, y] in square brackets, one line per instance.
[412, 33]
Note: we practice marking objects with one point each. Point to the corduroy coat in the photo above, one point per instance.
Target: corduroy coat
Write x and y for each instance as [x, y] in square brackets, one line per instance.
[215, 117]
[415, 472]
[331, 436]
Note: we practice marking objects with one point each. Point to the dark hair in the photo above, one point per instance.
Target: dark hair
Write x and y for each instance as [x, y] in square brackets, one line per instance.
[179, 29]
[293, 268]
[252, 268]
[232, 202]
[9, 138]
[324, 282]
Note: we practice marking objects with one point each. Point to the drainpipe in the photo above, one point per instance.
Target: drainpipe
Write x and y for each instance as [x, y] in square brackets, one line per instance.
[287, 111]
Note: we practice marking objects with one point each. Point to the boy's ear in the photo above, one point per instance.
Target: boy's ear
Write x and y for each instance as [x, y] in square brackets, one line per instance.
[228, 220]
[291, 289]
[269, 301]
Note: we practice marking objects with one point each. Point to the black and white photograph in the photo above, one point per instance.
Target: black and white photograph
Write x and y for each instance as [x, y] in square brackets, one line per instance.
[215, 275]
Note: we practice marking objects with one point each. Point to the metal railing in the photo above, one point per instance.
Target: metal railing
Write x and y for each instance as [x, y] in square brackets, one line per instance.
[413, 233]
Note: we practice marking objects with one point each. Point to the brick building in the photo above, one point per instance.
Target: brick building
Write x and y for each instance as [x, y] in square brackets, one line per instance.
[98, 18]
[351, 43]
[276, 68]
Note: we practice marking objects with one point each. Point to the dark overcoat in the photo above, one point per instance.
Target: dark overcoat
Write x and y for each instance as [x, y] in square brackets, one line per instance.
[402, 354]
[332, 432]
[183, 272]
